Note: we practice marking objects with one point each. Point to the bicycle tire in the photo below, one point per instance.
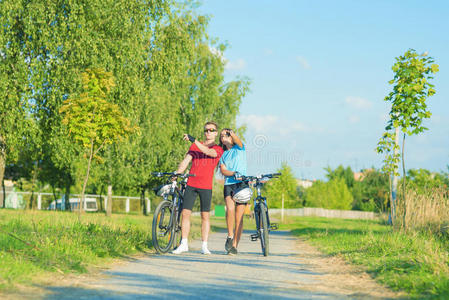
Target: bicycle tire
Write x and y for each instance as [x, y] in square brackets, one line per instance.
[163, 229]
[263, 231]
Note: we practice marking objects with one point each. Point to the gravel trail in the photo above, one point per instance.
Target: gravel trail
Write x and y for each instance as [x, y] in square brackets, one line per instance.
[293, 270]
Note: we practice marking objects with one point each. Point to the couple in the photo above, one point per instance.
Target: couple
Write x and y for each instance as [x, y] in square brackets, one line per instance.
[231, 156]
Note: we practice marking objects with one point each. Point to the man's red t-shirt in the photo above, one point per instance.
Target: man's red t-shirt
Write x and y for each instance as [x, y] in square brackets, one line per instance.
[203, 167]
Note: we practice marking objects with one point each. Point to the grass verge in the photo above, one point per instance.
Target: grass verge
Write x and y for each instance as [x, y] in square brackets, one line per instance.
[36, 245]
[416, 263]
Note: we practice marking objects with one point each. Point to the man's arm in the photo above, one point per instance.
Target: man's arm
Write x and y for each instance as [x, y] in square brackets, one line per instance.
[225, 171]
[184, 164]
[206, 150]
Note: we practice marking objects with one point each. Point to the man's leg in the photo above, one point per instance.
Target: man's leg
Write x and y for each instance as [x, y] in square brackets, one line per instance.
[185, 223]
[189, 198]
[205, 225]
[185, 229]
[205, 203]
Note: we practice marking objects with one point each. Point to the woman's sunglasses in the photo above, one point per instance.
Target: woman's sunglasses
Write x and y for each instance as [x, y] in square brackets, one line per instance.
[210, 130]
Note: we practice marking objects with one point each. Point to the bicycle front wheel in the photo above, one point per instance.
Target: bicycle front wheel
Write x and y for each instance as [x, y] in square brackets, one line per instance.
[263, 231]
[163, 227]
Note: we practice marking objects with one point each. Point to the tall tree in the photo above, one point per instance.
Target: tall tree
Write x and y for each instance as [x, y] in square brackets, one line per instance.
[411, 88]
[285, 186]
[91, 120]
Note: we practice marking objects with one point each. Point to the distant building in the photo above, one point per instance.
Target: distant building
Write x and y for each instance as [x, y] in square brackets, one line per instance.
[304, 183]
[359, 176]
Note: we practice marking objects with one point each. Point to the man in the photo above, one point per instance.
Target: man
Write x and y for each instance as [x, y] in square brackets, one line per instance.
[204, 157]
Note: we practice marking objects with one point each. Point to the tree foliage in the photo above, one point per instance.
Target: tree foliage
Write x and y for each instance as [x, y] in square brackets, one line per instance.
[333, 194]
[411, 88]
[284, 185]
[91, 120]
[169, 79]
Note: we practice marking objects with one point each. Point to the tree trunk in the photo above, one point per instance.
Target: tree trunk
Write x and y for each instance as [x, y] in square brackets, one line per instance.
[81, 208]
[68, 207]
[3, 195]
[109, 204]
[142, 200]
[33, 186]
[404, 197]
[101, 199]
[2, 168]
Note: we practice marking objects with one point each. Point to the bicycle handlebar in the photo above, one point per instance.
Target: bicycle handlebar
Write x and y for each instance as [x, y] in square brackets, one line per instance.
[162, 174]
[260, 177]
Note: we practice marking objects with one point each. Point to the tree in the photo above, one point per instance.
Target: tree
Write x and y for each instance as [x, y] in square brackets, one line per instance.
[14, 85]
[285, 185]
[411, 88]
[333, 194]
[91, 120]
[340, 172]
[372, 193]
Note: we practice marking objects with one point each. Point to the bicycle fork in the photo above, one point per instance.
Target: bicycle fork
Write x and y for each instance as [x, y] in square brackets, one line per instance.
[274, 226]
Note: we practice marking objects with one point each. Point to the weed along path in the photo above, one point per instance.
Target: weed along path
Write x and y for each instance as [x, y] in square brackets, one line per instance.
[293, 270]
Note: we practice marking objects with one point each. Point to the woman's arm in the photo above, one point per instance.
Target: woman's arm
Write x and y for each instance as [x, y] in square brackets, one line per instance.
[225, 171]
[236, 139]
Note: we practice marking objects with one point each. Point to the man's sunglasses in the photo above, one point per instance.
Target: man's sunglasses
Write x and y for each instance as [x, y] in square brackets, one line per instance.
[210, 130]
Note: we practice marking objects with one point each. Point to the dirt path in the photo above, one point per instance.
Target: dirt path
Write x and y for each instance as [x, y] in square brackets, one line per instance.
[293, 270]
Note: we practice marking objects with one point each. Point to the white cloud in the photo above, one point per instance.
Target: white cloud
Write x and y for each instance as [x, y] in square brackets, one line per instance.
[303, 62]
[239, 64]
[354, 119]
[268, 51]
[358, 103]
[271, 125]
[217, 52]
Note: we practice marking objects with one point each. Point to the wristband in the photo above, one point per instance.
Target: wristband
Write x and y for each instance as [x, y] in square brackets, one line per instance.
[191, 138]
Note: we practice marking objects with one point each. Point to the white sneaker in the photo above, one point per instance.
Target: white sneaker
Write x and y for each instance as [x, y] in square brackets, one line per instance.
[205, 251]
[182, 248]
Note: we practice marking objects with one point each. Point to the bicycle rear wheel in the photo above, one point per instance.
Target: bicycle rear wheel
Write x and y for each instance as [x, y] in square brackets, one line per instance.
[263, 230]
[163, 227]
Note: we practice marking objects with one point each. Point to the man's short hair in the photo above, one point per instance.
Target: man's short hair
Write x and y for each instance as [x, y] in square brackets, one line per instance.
[211, 123]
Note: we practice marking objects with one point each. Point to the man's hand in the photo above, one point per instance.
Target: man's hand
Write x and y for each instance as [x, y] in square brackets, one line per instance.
[188, 137]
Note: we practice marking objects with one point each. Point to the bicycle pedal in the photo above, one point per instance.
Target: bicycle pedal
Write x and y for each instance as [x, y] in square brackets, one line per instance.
[254, 237]
[274, 226]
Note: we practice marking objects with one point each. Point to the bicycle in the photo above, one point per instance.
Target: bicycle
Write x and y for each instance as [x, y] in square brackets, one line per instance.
[263, 225]
[166, 229]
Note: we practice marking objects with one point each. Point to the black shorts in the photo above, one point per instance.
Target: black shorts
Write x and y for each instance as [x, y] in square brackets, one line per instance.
[229, 190]
[190, 195]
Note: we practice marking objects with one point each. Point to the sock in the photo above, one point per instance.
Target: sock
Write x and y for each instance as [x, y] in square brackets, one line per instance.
[204, 245]
[183, 241]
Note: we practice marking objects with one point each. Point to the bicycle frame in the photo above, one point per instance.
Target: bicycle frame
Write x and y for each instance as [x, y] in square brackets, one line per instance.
[259, 200]
[263, 225]
[167, 217]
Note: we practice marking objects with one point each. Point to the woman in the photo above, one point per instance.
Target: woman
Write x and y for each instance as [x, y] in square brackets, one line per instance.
[232, 162]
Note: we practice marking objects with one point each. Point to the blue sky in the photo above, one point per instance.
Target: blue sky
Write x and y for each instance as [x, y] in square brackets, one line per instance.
[319, 72]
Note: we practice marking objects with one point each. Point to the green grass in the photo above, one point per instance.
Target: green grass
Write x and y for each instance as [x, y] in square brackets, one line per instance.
[35, 245]
[415, 263]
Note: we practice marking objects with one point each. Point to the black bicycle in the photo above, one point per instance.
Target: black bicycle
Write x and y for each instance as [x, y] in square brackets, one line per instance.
[263, 224]
[166, 230]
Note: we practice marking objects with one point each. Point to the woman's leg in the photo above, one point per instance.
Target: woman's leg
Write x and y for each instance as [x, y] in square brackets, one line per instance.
[239, 211]
[230, 215]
